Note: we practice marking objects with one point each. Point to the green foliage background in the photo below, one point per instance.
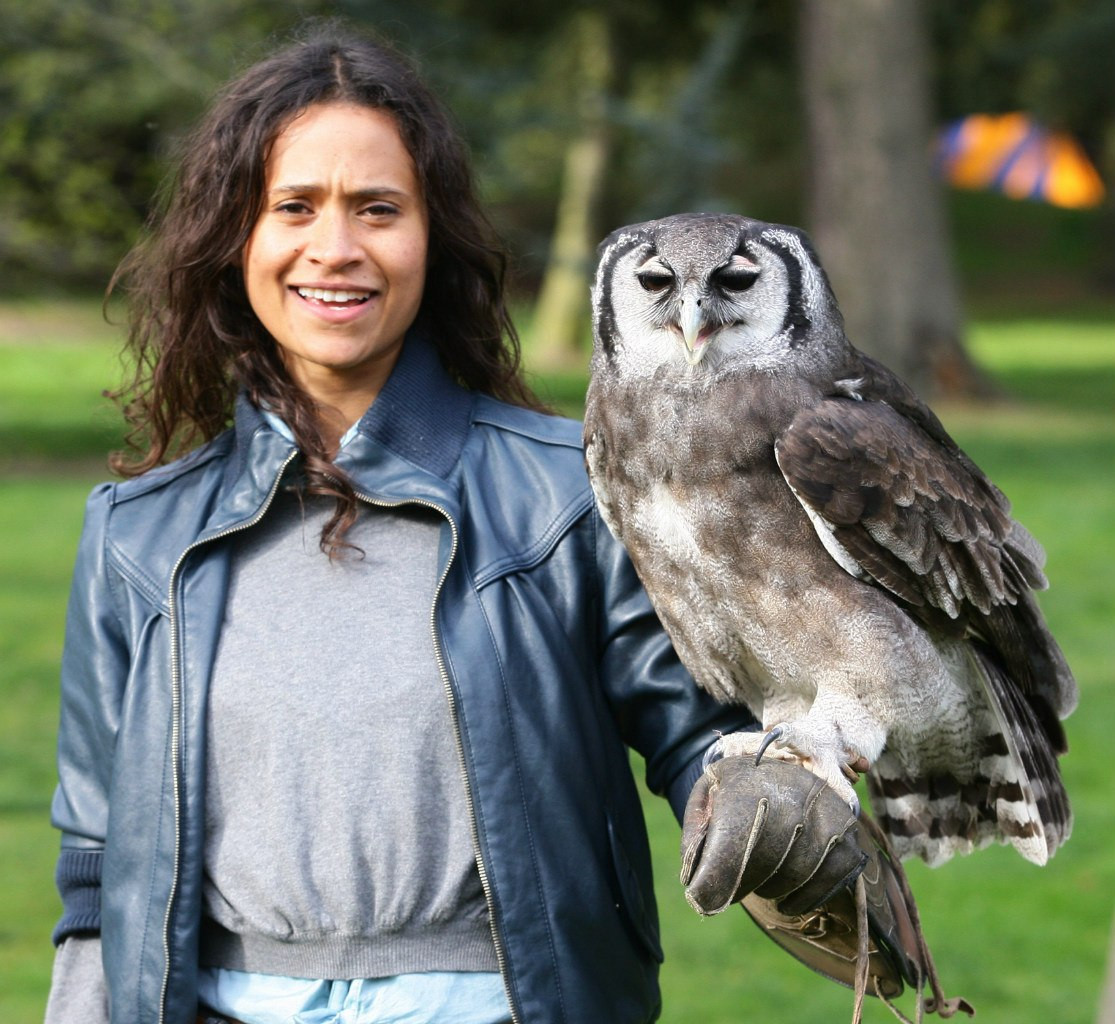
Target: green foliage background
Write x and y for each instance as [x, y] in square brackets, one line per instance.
[98, 93]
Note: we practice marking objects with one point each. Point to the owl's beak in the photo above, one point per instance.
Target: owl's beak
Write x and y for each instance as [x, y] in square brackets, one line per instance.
[690, 321]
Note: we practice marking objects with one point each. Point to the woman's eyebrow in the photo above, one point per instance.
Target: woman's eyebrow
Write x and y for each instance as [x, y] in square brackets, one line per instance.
[368, 192]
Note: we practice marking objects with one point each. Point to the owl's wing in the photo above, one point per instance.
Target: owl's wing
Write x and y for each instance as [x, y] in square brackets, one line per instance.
[894, 504]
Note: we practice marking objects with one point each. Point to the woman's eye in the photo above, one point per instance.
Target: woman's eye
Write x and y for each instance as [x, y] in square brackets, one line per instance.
[292, 206]
[382, 210]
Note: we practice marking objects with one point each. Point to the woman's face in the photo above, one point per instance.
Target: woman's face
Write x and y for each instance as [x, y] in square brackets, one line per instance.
[336, 263]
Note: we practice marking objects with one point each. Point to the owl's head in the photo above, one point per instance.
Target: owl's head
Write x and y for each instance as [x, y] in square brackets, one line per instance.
[701, 291]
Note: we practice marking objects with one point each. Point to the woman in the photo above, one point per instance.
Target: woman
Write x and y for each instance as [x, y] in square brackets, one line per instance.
[288, 789]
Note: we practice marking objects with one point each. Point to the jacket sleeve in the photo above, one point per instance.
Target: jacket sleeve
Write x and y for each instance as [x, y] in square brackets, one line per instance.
[94, 671]
[661, 711]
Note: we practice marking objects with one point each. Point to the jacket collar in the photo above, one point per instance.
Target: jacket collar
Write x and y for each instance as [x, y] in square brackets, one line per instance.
[419, 421]
[421, 414]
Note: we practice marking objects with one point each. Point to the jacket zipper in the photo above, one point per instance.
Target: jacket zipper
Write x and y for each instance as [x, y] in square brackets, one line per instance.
[485, 882]
[176, 715]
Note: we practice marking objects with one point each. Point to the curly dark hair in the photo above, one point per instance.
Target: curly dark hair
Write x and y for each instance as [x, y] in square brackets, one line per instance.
[193, 337]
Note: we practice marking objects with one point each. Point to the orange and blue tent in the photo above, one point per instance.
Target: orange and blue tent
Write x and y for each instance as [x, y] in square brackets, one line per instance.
[1014, 154]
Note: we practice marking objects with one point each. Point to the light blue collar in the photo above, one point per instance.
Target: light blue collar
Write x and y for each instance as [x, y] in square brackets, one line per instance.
[277, 424]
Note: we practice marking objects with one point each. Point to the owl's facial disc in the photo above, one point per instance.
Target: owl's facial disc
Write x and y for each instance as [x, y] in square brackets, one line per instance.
[658, 279]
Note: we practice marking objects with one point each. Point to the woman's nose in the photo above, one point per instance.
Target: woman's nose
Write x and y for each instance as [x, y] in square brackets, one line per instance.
[333, 240]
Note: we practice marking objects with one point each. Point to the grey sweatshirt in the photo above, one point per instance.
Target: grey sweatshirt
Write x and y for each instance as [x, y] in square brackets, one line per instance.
[338, 840]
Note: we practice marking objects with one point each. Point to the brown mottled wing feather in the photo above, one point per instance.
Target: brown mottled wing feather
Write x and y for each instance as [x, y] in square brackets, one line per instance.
[1015, 629]
[918, 521]
[877, 383]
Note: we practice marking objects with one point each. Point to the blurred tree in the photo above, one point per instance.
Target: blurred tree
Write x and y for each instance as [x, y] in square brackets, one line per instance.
[94, 100]
[97, 96]
[687, 140]
[676, 136]
[562, 306]
[875, 212]
[703, 112]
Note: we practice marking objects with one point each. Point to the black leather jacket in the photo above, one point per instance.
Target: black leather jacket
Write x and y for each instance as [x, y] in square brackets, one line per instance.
[552, 659]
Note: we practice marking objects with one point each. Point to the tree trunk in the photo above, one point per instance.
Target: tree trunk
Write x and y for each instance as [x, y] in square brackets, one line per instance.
[874, 210]
[561, 314]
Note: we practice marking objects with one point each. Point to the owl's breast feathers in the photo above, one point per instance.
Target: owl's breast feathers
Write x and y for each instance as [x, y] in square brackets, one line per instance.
[686, 478]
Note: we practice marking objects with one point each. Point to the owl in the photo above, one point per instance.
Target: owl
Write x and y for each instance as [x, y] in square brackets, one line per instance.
[815, 543]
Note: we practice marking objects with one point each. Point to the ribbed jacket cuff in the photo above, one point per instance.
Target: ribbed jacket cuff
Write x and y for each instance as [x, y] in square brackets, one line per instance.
[78, 877]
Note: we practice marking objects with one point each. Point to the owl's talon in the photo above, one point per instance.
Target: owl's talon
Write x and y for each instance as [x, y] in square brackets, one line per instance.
[774, 734]
[841, 784]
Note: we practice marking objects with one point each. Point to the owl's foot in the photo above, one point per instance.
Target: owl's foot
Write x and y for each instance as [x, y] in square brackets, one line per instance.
[821, 759]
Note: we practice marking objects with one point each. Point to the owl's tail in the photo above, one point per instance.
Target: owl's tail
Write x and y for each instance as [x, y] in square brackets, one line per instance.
[1013, 794]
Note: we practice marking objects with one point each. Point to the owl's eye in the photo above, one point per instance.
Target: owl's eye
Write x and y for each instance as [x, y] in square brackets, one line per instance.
[735, 278]
[655, 280]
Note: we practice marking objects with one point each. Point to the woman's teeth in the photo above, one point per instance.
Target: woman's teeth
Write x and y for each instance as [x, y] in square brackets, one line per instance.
[333, 296]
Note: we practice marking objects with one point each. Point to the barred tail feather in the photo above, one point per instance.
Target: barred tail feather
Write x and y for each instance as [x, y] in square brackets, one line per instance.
[1011, 792]
[932, 816]
[1030, 747]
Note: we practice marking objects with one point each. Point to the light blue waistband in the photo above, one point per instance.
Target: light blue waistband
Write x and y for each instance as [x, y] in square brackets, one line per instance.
[434, 997]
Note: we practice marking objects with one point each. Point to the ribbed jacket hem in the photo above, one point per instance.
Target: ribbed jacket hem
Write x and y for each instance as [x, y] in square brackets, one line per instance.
[78, 877]
[459, 946]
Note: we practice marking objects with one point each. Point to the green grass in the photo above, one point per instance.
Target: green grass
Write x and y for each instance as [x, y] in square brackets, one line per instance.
[55, 363]
[40, 517]
[1025, 945]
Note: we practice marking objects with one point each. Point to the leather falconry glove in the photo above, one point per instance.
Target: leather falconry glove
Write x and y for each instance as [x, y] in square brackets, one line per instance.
[819, 881]
[774, 829]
